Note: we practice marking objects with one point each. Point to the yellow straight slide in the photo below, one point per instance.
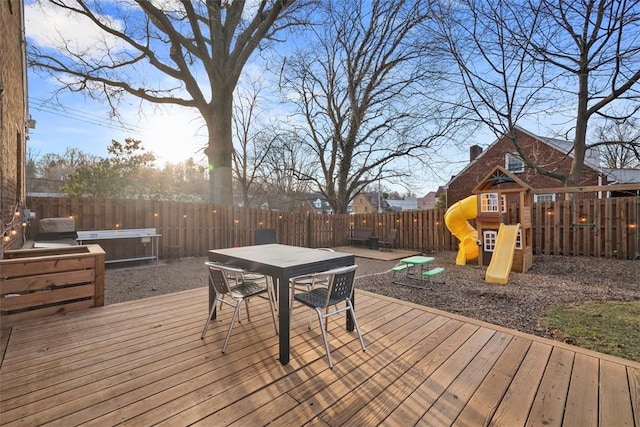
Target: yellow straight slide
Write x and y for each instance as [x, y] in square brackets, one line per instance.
[502, 258]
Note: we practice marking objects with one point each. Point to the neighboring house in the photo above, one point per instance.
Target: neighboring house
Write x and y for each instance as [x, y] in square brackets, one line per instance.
[430, 200]
[406, 204]
[13, 124]
[366, 203]
[315, 203]
[552, 153]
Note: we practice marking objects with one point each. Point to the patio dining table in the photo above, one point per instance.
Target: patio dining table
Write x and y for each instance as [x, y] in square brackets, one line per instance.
[281, 263]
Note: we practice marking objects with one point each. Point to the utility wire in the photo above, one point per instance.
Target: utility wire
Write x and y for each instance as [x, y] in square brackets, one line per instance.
[48, 107]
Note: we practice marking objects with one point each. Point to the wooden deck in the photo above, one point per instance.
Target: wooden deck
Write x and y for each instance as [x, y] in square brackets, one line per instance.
[143, 363]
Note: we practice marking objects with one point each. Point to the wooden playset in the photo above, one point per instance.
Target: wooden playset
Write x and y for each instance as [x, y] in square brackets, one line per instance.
[504, 246]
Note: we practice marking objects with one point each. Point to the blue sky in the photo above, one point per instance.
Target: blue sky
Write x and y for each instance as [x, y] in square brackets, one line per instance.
[172, 133]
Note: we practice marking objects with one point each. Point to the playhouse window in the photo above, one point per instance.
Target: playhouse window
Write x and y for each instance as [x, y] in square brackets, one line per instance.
[519, 240]
[489, 238]
[490, 202]
[513, 163]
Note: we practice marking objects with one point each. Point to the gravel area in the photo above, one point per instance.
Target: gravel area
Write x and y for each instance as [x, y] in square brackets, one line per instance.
[518, 305]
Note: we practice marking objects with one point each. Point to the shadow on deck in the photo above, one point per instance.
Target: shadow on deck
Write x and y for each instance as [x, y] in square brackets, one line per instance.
[143, 362]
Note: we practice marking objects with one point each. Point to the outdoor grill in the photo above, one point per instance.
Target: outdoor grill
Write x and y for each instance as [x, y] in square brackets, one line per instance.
[55, 232]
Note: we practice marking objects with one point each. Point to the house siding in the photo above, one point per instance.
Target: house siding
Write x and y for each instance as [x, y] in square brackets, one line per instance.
[543, 154]
[362, 204]
[12, 124]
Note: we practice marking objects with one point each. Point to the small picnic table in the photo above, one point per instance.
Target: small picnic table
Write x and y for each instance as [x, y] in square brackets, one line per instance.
[416, 265]
[416, 271]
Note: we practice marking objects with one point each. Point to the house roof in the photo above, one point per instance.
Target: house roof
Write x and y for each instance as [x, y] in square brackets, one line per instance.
[591, 156]
[409, 203]
[591, 159]
[497, 176]
[318, 202]
[623, 176]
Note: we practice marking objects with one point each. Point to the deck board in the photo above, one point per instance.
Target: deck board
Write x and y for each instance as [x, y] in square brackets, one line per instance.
[143, 363]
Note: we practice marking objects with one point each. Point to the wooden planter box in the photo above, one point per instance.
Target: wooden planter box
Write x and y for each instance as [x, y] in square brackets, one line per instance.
[41, 282]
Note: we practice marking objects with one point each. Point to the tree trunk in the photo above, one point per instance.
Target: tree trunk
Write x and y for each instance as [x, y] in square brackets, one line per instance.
[582, 118]
[219, 150]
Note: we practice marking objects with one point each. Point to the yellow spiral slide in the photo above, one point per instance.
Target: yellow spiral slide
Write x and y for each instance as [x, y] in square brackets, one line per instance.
[457, 221]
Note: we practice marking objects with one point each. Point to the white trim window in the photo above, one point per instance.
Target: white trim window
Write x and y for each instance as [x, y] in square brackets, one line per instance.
[513, 164]
[519, 240]
[489, 202]
[489, 238]
[544, 197]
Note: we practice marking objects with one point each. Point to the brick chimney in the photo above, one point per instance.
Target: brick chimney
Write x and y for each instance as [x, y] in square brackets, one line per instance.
[474, 151]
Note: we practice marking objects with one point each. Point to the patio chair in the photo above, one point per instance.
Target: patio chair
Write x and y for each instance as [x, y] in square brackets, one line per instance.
[241, 291]
[236, 276]
[325, 301]
[308, 282]
[265, 236]
[389, 242]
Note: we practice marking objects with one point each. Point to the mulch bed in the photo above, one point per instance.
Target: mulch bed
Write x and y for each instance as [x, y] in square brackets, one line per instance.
[517, 305]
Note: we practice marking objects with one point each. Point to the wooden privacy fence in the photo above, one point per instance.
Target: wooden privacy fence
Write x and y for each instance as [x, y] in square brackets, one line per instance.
[587, 227]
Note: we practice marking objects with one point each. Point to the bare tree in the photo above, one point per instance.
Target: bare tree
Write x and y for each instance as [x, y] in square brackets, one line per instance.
[252, 141]
[620, 144]
[186, 180]
[48, 173]
[571, 60]
[280, 187]
[182, 52]
[359, 89]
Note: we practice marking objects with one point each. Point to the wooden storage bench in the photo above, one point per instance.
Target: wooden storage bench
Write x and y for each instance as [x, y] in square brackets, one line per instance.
[41, 282]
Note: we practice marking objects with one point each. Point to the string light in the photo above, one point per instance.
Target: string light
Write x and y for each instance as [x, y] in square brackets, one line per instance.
[9, 227]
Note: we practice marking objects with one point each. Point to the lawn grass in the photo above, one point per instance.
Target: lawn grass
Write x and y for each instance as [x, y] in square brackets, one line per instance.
[607, 327]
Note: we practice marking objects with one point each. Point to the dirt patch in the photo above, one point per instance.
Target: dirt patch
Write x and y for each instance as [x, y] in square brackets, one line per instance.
[517, 305]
